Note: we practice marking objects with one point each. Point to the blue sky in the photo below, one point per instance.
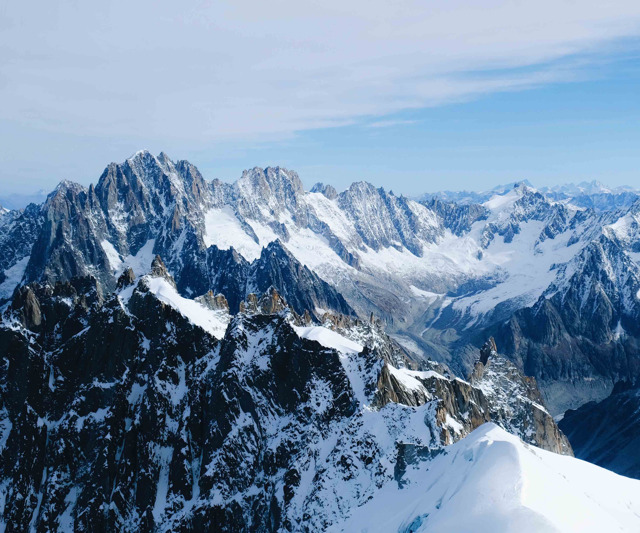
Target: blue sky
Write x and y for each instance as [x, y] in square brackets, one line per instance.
[414, 96]
[564, 132]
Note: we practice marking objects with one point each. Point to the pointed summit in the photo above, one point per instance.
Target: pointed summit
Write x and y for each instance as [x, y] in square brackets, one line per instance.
[326, 190]
[126, 279]
[159, 270]
[274, 188]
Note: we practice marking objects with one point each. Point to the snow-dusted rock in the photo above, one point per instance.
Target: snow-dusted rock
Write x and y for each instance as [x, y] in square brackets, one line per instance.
[146, 410]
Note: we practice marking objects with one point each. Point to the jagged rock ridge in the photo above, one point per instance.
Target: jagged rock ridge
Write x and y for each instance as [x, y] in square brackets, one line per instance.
[442, 275]
[145, 410]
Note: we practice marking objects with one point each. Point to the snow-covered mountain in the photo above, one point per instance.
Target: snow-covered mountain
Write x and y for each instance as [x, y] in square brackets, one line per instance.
[472, 197]
[146, 410]
[443, 276]
[180, 354]
[593, 195]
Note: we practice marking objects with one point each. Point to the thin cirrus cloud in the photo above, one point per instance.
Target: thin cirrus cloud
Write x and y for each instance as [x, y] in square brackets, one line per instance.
[390, 123]
[203, 72]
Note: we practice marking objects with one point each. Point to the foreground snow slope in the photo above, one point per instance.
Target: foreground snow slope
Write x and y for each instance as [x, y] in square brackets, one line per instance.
[491, 481]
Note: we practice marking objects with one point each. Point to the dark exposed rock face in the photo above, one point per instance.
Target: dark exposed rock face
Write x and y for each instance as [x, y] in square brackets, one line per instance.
[497, 392]
[156, 206]
[18, 231]
[607, 433]
[92, 413]
[326, 190]
[488, 349]
[457, 218]
[149, 205]
[301, 288]
[159, 270]
[230, 274]
[395, 222]
[270, 303]
[114, 425]
[214, 301]
[126, 278]
[121, 411]
[120, 414]
[459, 409]
[144, 198]
[530, 206]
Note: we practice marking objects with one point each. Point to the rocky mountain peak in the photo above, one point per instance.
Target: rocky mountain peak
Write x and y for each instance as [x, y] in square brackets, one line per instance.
[65, 191]
[273, 187]
[269, 303]
[488, 349]
[163, 158]
[368, 251]
[217, 302]
[327, 190]
[171, 182]
[516, 402]
[147, 167]
[26, 303]
[272, 302]
[126, 279]
[159, 270]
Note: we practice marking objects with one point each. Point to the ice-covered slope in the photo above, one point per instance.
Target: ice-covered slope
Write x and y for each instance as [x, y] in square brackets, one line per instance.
[492, 482]
[384, 252]
[431, 264]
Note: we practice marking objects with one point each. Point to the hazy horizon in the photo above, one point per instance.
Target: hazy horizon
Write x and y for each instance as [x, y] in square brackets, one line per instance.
[19, 199]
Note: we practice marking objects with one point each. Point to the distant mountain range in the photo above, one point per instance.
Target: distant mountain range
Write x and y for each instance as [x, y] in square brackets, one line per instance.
[592, 194]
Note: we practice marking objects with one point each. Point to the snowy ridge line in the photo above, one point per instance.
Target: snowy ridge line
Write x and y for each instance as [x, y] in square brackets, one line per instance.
[508, 256]
[492, 481]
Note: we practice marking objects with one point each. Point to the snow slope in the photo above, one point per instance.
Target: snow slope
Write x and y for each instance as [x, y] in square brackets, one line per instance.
[328, 339]
[13, 276]
[214, 322]
[492, 482]
[510, 256]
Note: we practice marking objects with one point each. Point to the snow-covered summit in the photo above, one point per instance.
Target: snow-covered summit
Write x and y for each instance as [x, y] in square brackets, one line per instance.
[491, 481]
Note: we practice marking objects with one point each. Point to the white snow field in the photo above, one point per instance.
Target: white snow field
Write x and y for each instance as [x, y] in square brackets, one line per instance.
[491, 482]
[213, 321]
[517, 270]
[328, 339]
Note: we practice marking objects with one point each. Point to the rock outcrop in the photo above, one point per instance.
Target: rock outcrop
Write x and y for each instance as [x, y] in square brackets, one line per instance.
[515, 402]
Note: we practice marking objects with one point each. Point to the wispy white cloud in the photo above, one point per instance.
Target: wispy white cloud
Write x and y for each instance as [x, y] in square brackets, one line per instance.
[390, 123]
[204, 72]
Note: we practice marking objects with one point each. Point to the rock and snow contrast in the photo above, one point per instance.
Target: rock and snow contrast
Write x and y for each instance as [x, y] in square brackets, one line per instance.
[147, 410]
[179, 354]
